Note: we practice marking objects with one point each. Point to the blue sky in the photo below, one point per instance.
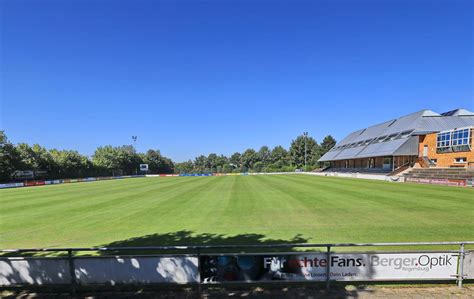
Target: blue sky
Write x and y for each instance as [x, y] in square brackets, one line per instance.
[195, 77]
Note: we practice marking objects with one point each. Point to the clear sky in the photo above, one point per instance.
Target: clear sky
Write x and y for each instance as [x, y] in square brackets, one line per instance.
[195, 77]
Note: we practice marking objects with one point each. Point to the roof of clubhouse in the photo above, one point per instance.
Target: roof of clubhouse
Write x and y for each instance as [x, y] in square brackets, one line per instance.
[396, 137]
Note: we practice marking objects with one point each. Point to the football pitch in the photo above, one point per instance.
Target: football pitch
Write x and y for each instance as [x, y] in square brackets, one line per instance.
[233, 210]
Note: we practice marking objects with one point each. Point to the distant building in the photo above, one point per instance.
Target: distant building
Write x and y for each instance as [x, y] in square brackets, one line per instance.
[424, 138]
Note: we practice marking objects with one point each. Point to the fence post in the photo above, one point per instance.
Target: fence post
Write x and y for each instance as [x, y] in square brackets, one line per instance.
[72, 272]
[328, 268]
[199, 271]
[461, 266]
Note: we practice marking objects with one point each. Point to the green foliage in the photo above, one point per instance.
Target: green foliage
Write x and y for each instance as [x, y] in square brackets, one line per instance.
[106, 160]
[328, 143]
[236, 160]
[70, 164]
[9, 158]
[124, 160]
[258, 166]
[264, 154]
[304, 146]
[156, 162]
[249, 158]
[184, 167]
[279, 156]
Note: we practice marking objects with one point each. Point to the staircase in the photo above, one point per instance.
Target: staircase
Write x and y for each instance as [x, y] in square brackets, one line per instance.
[427, 162]
[441, 173]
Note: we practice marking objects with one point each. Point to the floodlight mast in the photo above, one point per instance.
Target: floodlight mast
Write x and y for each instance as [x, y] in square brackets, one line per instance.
[305, 134]
[134, 139]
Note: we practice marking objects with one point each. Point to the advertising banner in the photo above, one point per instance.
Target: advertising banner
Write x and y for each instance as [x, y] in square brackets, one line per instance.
[445, 182]
[88, 179]
[11, 185]
[53, 182]
[34, 183]
[34, 271]
[122, 270]
[99, 270]
[343, 267]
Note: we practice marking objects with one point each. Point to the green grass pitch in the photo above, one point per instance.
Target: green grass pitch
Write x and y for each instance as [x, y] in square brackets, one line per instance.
[233, 209]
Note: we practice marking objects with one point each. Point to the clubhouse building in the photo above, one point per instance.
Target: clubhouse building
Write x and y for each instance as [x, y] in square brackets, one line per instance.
[421, 139]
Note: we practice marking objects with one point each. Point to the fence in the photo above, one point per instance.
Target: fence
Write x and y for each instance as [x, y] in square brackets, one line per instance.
[209, 264]
[31, 183]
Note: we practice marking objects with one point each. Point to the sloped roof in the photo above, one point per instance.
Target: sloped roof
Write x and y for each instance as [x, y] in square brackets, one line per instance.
[436, 124]
[395, 136]
[458, 112]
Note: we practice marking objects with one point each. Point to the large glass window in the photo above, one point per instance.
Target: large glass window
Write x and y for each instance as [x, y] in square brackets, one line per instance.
[443, 140]
[454, 141]
[461, 137]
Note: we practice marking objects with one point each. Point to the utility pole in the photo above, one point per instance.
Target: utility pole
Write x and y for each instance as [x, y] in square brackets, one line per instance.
[134, 139]
[305, 134]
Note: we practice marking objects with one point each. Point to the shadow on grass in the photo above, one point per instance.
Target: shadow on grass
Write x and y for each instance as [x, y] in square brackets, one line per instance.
[189, 238]
[180, 238]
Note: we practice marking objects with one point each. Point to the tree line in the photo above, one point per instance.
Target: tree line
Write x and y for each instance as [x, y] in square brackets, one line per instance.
[125, 160]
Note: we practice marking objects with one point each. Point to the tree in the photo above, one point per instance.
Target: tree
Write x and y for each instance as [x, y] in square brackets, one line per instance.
[200, 164]
[156, 162]
[35, 158]
[328, 143]
[235, 160]
[227, 168]
[26, 157]
[297, 151]
[184, 167]
[167, 165]
[212, 162]
[249, 157]
[279, 155]
[70, 164]
[129, 160]
[258, 166]
[9, 158]
[221, 162]
[106, 160]
[264, 155]
[109, 160]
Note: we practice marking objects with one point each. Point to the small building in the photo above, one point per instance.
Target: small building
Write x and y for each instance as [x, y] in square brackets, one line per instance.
[424, 138]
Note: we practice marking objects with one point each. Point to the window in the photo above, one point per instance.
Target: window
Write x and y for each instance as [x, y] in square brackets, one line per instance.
[460, 160]
[371, 163]
[392, 136]
[405, 133]
[387, 162]
[460, 137]
[443, 140]
[368, 141]
[461, 140]
[458, 140]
